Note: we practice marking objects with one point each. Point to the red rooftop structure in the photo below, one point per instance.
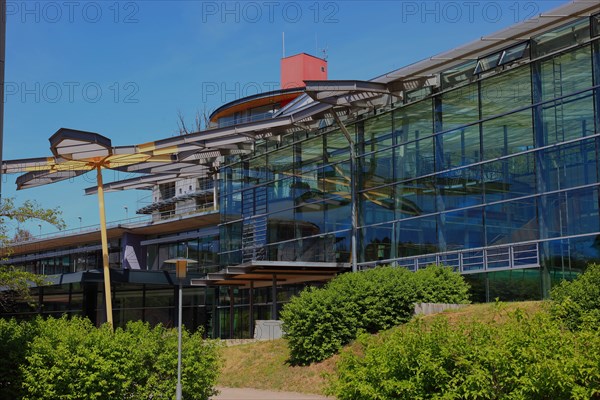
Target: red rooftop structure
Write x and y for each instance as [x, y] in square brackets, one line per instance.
[302, 67]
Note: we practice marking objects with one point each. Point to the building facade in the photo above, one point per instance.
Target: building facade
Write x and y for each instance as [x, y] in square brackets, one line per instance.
[484, 159]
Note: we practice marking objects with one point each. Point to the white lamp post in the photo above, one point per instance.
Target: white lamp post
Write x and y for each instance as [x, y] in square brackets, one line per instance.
[180, 272]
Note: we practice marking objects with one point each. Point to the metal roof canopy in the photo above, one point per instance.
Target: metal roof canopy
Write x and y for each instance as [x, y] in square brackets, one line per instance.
[516, 33]
[269, 271]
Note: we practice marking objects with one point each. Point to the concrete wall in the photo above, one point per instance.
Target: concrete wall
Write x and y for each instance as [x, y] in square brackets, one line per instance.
[434, 308]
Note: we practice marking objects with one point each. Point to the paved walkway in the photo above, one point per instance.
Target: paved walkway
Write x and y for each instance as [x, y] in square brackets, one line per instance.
[254, 394]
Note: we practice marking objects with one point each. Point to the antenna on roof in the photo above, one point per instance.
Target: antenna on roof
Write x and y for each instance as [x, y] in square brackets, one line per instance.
[325, 55]
[283, 43]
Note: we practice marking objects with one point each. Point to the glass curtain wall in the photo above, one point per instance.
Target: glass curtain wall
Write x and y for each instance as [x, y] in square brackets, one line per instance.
[508, 155]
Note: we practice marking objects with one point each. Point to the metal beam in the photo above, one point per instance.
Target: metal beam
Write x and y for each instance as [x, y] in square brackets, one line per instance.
[353, 191]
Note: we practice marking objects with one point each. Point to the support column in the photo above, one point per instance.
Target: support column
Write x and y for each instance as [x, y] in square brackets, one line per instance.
[2, 56]
[540, 170]
[439, 165]
[251, 311]
[216, 191]
[274, 298]
[353, 197]
[231, 311]
[104, 237]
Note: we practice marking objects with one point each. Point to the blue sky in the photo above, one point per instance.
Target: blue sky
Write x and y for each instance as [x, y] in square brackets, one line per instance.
[124, 69]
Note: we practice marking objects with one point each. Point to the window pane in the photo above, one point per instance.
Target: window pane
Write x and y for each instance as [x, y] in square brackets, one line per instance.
[378, 242]
[460, 147]
[569, 165]
[505, 92]
[568, 119]
[413, 122]
[377, 168]
[282, 160]
[378, 205]
[510, 134]
[459, 189]
[415, 198]
[460, 107]
[417, 236]
[457, 75]
[336, 147]
[462, 229]
[414, 159]
[511, 222]
[567, 73]
[378, 132]
[310, 153]
[509, 178]
[562, 37]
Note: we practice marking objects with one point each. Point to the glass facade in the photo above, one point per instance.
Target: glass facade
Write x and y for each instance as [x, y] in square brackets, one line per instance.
[495, 166]
[503, 154]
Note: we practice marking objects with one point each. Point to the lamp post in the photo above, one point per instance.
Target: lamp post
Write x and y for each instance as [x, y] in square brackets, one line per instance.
[126, 212]
[79, 224]
[40, 226]
[180, 272]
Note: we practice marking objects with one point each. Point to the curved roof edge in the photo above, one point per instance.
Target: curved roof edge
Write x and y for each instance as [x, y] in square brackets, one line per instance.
[253, 97]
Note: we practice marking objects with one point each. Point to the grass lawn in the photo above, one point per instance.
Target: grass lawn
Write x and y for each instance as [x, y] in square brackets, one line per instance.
[263, 365]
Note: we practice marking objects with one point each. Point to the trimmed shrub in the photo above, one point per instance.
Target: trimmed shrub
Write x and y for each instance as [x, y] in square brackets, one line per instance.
[318, 322]
[577, 302]
[528, 357]
[14, 339]
[72, 359]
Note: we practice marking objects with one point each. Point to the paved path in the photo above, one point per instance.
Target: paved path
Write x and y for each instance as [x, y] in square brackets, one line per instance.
[254, 394]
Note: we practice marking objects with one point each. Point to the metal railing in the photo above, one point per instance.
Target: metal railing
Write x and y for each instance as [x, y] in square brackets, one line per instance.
[471, 261]
[138, 220]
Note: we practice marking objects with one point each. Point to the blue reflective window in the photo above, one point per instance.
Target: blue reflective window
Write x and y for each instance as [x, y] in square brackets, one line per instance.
[509, 178]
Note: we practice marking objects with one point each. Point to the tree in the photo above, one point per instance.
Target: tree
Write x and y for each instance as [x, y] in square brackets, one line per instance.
[201, 122]
[22, 235]
[15, 283]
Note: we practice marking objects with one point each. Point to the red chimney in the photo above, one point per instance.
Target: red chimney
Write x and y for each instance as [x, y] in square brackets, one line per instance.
[300, 67]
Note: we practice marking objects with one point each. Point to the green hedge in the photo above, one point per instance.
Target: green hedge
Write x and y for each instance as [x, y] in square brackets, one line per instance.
[318, 322]
[528, 357]
[577, 303]
[72, 359]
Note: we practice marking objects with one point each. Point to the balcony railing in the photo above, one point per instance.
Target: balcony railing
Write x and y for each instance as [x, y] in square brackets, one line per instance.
[471, 261]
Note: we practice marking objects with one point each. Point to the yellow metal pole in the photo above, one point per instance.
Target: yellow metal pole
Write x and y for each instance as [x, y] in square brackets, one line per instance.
[104, 236]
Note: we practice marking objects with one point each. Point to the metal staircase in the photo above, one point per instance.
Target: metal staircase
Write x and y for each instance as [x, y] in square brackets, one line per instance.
[254, 231]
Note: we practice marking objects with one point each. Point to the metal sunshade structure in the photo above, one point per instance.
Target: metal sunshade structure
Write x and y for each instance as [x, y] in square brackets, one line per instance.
[76, 152]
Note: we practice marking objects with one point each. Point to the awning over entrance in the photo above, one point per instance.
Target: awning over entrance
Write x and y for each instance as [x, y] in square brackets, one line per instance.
[267, 273]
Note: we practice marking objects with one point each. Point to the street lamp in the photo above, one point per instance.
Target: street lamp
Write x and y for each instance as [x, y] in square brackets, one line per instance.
[40, 226]
[126, 212]
[79, 224]
[180, 272]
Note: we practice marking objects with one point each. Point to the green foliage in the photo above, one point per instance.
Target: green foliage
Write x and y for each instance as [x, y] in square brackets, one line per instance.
[577, 303]
[72, 359]
[14, 339]
[527, 357]
[29, 210]
[16, 284]
[319, 322]
[13, 282]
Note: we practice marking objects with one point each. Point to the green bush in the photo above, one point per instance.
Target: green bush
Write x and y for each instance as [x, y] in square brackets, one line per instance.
[528, 357]
[318, 322]
[72, 359]
[14, 339]
[577, 302]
